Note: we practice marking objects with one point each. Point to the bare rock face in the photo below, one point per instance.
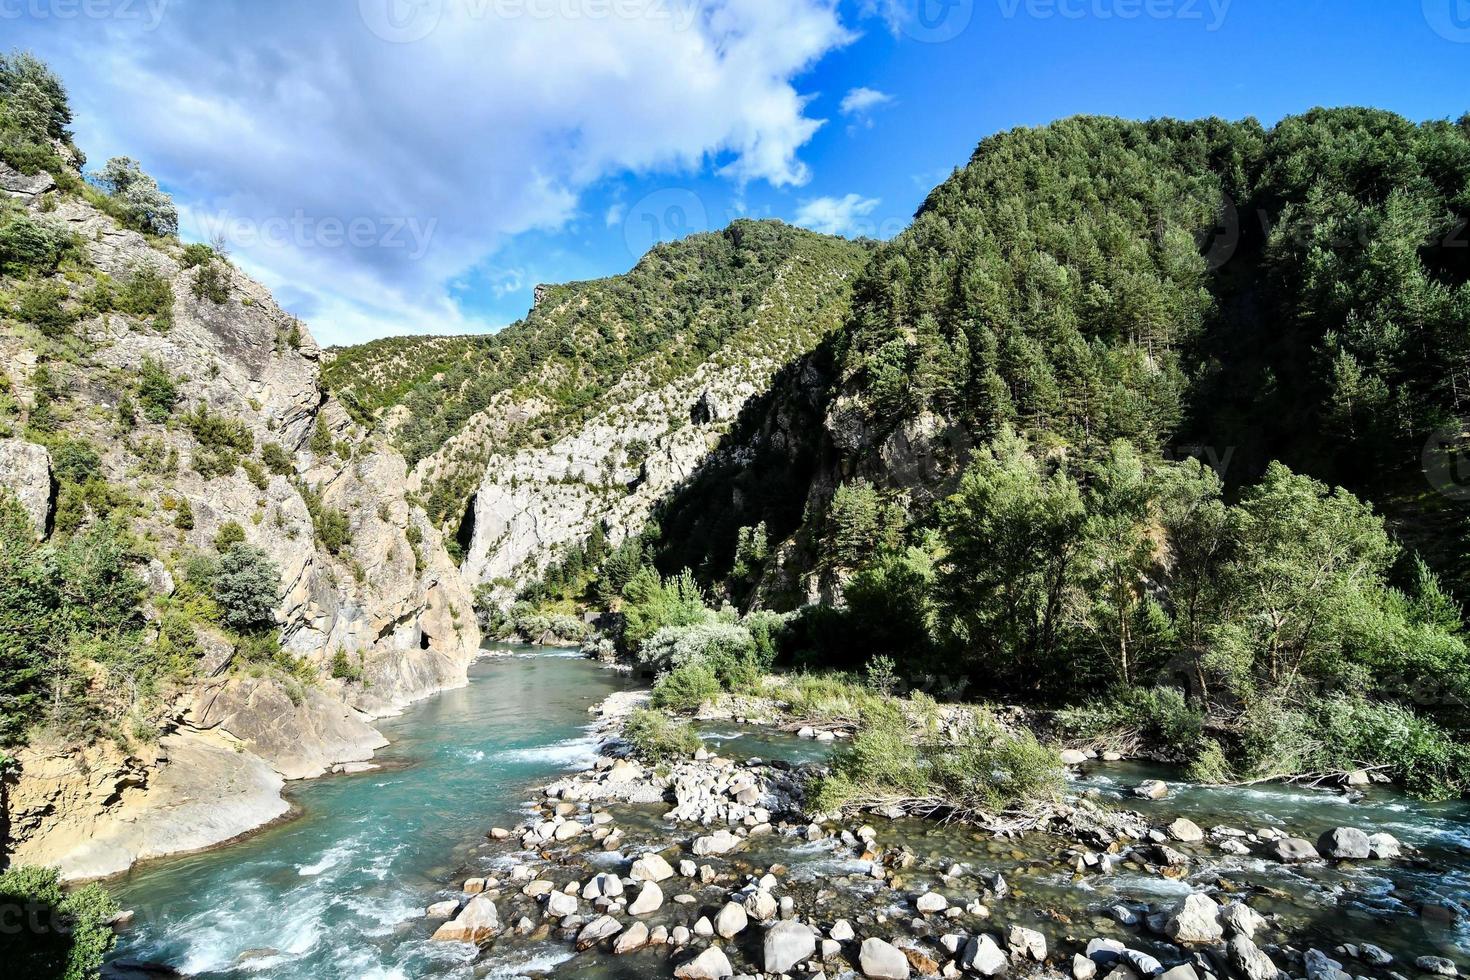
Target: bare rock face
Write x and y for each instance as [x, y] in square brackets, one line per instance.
[25, 470]
[385, 594]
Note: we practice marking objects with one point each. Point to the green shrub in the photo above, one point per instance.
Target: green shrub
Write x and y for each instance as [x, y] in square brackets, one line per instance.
[27, 247]
[157, 391]
[211, 282]
[146, 293]
[230, 534]
[1133, 719]
[54, 932]
[44, 305]
[687, 688]
[657, 739]
[246, 586]
[196, 254]
[276, 459]
[344, 669]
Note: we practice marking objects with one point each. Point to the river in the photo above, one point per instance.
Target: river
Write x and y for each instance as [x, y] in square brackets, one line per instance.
[339, 892]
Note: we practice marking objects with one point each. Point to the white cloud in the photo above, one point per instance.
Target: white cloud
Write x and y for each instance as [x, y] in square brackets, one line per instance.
[615, 213]
[836, 215]
[861, 101]
[485, 126]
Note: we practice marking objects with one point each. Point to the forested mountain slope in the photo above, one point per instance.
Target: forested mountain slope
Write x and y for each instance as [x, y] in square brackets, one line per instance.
[210, 577]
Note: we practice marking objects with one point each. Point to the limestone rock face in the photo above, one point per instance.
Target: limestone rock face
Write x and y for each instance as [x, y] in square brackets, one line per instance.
[385, 595]
[25, 470]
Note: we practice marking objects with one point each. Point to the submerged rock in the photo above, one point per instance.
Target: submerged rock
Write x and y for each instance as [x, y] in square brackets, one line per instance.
[1345, 844]
[1294, 850]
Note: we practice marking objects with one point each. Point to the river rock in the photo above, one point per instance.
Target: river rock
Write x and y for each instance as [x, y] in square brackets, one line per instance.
[1249, 961]
[761, 906]
[1376, 955]
[983, 956]
[650, 899]
[1294, 850]
[731, 921]
[559, 905]
[680, 935]
[1181, 972]
[634, 938]
[651, 867]
[1345, 844]
[1026, 943]
[1320, 966]
[1196, 920]
[477, 922]
[442, 910]
[1384, 847]
[720, 842]
[602, 886]
[1437, 965]
[931, 902]
[1082, 967]
[1072, 757]
[881, 960]
[787, 944]
[1240, 919]
[1151, 789]
[712, 964]
[1186, 830]
[600, 928]
[704, 928]
[841, 931]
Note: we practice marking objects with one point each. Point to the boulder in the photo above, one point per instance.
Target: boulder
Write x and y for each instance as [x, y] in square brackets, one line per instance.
[1437, 965]
[1345, 844]
[787, 944]
[1294, 850]
[1181, 972]
[1072, 757]
[477, 922]
[1151, 789]
[1248, 961]
[981, 955]
[594, 932]
[1141, 963]
[880, 960]
[761, 906]
[650, 899]
[1186, 830]
[442, 910]
[1320, 966]
[651, 867]
[632, 940]
[841, 931]
[931, 902]
[731, 921]
[712, 964]
[1026, 943]
[1083, 968]
[1196, 920]
[720, 842]
[1240, 919]
[559, 905]
[1384, 847]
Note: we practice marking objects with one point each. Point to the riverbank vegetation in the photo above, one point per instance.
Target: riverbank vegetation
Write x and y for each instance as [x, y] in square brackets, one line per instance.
[52, 932]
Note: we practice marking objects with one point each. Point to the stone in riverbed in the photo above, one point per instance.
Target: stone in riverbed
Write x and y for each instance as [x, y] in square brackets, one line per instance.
[841, 931]
[1196, 920]
[1186, 830]
[1181, 972]
[720, 842]
[632, 940]
[704, 927]
[761, 906]
[1320, 966]
[712, 964]
[983, 956]
[476, 923]
[680, 936]
[1083, 968]
[1026, 943]
[602, 886]
[831, 949]
[930, 902]
[731, 921]
[1385, 847]
[880, 960]
[1437, 965]
[651, 867]
[1294, 850]
[1345, 844]
[559, 905]
[1151, 789]
[568, 830]
[1240, 919]
[650, 899]
[442, 910]
[1248, 961]
[1072, 757]
[603, 927]
[787, 944]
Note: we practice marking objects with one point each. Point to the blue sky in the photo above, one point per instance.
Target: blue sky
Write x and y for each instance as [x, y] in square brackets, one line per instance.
[418, 166]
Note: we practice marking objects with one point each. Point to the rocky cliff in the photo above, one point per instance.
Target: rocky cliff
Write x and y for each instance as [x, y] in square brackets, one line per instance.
[366, 580]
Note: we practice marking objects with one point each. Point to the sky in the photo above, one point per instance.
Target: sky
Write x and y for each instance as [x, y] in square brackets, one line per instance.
[395, 167]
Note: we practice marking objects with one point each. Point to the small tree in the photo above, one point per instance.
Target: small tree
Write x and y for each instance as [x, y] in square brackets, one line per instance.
[144, 205]
[247, 588]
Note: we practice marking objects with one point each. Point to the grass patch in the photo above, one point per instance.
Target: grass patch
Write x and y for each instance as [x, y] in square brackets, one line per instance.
[658, 739]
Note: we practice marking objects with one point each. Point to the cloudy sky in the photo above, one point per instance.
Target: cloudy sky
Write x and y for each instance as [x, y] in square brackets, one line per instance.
[418, 166]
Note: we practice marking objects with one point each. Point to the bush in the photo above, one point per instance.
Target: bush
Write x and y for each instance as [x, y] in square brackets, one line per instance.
[146, 293]
[344, 669]
[43, 304]
[230, 534]
[247, 588]
[28, 247]
[196, 254]
[276, 459]
[157, 391]
[143, 205]
[211, 283]
[54, 932]
[687, 688]
[657, 739]
[1133, 719]
[651, 603]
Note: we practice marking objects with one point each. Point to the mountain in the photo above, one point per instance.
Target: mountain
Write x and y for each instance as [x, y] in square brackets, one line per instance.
[211, 579]
[608, 394]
